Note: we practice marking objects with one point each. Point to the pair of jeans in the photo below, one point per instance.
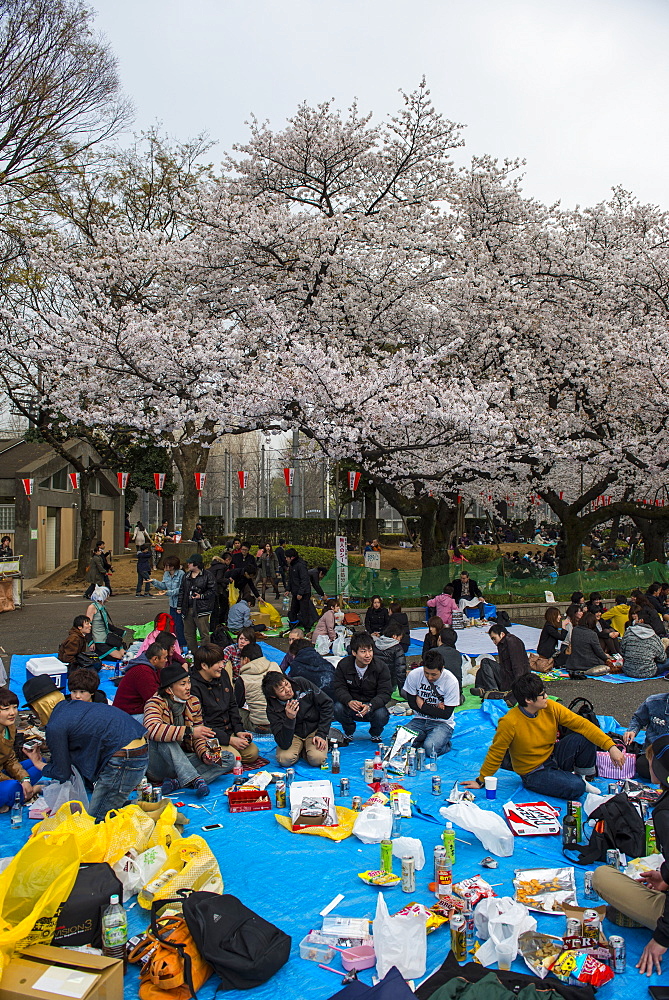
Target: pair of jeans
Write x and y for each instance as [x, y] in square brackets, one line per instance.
[115, 782]
[377, 719]
[434, 735]
[143, 579]
[179, 626]
[192, 625]
[555, 777]
[8, 789]
[170, 760]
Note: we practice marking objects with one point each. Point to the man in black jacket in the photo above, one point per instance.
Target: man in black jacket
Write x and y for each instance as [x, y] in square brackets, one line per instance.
[646, 900]
[302, 611]
[466, 589]
[362, 688]
[299, 716]
[493, 678]
[309, 663]
[211, 685]
[197, 597]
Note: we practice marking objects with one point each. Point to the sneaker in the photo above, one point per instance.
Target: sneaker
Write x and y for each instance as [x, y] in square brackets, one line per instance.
[169, 785]
[201, 788]
[345, 740]
[496, 695]
[478, 692]
[376, 739]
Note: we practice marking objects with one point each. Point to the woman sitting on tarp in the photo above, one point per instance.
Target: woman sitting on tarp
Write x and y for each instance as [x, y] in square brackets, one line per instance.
[108, 640]
[14, 776]
[643, 652]
[164, 623]
[587, 655]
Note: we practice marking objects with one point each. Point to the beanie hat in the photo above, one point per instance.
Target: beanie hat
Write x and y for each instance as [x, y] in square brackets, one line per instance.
[38, 687]
[195, 560]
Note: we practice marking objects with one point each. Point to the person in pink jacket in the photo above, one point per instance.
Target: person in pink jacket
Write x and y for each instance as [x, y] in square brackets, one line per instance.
[444, 604]
[326, 623]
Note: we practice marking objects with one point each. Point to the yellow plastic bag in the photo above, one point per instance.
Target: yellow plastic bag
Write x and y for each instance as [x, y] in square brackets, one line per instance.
[73, 819]
[270, 610]
[233, 594]
[346, 818]
[32, 888]
[194, 867]
[165, 833]
[129, 827]
[122, 829]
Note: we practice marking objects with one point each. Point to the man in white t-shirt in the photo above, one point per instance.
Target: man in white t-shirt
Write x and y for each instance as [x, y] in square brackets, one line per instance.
[433, 694]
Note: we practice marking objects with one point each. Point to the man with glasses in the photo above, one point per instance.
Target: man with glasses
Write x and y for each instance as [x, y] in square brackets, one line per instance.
[529, 733]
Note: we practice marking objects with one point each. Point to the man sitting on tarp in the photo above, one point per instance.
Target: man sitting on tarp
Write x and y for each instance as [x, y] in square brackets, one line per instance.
[529, 732]
[299, 716]
[494, 678]
[433, 693]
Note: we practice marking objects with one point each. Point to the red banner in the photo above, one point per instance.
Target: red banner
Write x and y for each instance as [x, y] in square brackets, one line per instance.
[243, 479]
[28, 486]
[159, 480]
[289, 475]
[200, 480]
[122, 480]
[74, 479]
[353, 481]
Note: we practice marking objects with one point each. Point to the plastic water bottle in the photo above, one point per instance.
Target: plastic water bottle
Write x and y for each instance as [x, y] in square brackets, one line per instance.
[433, 760]
[397, 819]
[237, 769]
[285, 602]
[115, 930]
[16, 818]
[378, 767]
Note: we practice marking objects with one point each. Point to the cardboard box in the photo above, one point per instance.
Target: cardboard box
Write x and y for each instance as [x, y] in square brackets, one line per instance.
[258, 618]
[24, 970]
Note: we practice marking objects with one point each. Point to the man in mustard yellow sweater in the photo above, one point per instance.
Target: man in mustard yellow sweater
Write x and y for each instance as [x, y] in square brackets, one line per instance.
[529, 732]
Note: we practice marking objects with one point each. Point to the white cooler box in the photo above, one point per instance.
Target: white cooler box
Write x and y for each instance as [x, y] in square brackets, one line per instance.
[54, 668]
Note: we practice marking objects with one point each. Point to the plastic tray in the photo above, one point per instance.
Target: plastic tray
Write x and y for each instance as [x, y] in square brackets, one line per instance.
[249, 800]
[315, 951]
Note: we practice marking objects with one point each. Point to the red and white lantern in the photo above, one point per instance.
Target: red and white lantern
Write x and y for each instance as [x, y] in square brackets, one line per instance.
[353, 481]
[122, 480]
[74, 479]
[200, 480]
[28, 486]
[159, 480]
[289, 476]
[243, 479]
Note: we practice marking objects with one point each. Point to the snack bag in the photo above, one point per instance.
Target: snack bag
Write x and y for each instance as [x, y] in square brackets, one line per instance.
[478, 886]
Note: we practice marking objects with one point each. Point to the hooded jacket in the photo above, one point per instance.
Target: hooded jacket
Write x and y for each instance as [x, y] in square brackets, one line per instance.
[248, 688]
[642, 650]
[325, 626]
[219, 707]
[444, 606]
[389, 652]
[138, 684]
[315, 714]
[653, 717]
[373, 688]
[309, 663]
[619, 616]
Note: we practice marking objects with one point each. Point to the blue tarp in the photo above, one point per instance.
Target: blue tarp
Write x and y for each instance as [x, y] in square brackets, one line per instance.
[288, 878]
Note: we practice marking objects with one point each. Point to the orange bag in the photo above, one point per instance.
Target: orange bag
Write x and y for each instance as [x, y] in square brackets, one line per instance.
[172, 963]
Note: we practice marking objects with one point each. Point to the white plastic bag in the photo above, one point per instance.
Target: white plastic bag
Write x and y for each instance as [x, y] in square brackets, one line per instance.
[400, 941]
[373, 824]
[56, 793]
[501, 920]
[403, 846]
[339, 647]
[134, 871]
[490, 828]
[322, 644]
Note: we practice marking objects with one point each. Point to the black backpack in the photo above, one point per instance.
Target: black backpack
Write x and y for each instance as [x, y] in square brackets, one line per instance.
[243, 949]
[623, 829]
[583, 707]
[79, 919]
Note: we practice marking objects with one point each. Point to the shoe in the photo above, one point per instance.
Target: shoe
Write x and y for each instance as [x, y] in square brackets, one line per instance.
[511, 701]
[345, 740]
[495, 695]
[201, 788]
[376, 739]
[169, 785]
[478, 692]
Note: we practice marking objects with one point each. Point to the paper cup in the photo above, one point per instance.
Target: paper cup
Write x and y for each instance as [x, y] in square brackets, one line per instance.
[491, 787]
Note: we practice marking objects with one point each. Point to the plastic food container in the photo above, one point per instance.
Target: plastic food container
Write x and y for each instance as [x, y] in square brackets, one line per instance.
[361, 957]
[315, 950]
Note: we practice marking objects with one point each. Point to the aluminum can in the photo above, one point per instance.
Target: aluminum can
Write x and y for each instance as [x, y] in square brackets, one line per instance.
[157, 793]
[618, 953]
[459, 937]
[387, 855]
[356, 804]
[613, 858]
[589, 890]
[408, 874]
[436, 784]
[591, 923]
[613, 787]
[444, 878]
[412, 763]
[574, 927]
[278, 776]
[281, 794]
[439, 853]
[344, 786]
[290, 775]
[576, 809]
[420, 759]
[368, 770]
[651, 842]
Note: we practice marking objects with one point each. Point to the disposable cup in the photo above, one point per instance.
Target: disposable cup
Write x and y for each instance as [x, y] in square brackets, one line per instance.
[491, 787]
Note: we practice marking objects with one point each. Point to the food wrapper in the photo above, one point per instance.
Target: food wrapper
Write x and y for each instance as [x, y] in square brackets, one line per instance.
[380, 878]
[573, 966]
[638, 865]
[434, 919]
[377, 799]
[446, 906]
[545, 889]
[539, 951]
[477, 885]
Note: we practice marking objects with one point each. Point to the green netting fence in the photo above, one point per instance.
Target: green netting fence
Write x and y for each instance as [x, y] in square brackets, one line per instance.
[495, 580]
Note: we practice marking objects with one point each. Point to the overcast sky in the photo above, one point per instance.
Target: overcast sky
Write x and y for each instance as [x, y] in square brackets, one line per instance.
[578, 88]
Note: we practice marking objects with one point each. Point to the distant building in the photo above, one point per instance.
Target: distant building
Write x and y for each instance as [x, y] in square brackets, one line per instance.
[45, 527]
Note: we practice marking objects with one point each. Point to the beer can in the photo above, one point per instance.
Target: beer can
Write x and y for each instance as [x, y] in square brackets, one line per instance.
[356, 804]
[444, 878]
[613, 787]
[651, 843]
[573, 927]
[387, 855]
[368, 770]
[436, 784]
[281, 795]
[408, 874]
[589, 890]
[468, 913]
[439, 852]
[344, 786]
[459, 937]
[576, 809]
[420, 759]
[618, 953]
[613, 858]
[157, 793]
[591, 923]
[290, 775]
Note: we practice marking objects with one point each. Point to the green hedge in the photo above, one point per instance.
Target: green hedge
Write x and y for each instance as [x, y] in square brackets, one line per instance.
[393, 539]
[314, 531]
[478, 554]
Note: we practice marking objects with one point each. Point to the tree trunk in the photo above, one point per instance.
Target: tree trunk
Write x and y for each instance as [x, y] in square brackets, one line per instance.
[189, 459]
[614, 529]
[437, 523]
[569, 549]
[370, 525]
[654, 534]
[87, 522]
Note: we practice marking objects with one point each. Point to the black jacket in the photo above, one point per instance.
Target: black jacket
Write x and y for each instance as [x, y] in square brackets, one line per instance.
[309, 663]
[374, 689]
[512, 659]
[280, 553]
[651, 618]
[202, 584]
[474, 590]
[401, 619]
[586, 649]
[661, 826]
[549, 639]
[221, 574]
[219, 708]
[452, 661]
[376, 620]
[315, 581]
[240, 580]
[298, 578]
[315, 714]
[429, 642]
[393, 657]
